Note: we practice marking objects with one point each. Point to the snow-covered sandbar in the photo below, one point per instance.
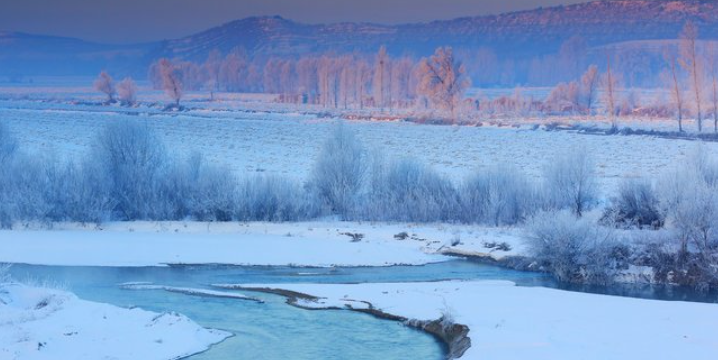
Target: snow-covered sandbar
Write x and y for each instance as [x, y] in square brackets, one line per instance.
[39, 323]
[511, 322]
[272, 244]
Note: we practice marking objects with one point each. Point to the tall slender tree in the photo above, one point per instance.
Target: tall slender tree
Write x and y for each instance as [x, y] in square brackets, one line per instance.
[690, 61]
[673, 79]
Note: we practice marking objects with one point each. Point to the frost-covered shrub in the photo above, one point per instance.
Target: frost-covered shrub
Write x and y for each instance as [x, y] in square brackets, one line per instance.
[24, 190]
[689, 196]
[572, 249]
[209, 193]
[77, 193]
[340, 170]
[635, 205]
[570, 182]
[8, 143]
[269, 198]
[135, 163]
[499, 196]
[409, 191]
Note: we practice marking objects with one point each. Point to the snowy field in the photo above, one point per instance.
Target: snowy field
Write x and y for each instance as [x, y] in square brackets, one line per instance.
[47, 324]
[510, 322]
[251, 135]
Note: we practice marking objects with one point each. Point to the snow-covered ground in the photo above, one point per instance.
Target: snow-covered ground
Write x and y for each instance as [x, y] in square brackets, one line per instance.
[40, 323]
[510, 322]
[300, 244]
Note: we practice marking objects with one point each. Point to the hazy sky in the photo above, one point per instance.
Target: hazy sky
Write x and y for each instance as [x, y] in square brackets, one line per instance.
[122, 21]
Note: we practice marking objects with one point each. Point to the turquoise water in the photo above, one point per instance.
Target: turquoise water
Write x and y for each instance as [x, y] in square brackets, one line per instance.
[275, 330]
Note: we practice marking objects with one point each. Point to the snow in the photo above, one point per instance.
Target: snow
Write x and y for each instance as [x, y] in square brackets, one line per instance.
[291, 244]
[39, 323]
[511, 322]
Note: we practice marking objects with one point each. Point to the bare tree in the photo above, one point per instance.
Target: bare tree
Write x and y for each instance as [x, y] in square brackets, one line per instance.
[212, 67]
[676, 90]
[234, 70]
[363, 78]
[127, 91]
[609, 92]
[105, 84]
[690, 62]
[171, 82]
[380, 76]
[589, 85]
[443, 80]
[713, 66]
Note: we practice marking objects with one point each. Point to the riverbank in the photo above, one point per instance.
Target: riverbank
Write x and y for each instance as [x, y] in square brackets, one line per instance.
[509, 322]
[40, 323]
[321, 244]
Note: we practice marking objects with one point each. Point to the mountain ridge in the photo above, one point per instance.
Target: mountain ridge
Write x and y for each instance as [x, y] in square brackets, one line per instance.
[519, 35]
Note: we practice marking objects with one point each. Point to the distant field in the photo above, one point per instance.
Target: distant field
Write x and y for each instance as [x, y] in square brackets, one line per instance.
[286, 142]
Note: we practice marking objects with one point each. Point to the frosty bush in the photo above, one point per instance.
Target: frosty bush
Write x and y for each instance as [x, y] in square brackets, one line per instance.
[340, 171]
[409, 191]
[636, 205]
[135, 162]
[689, 196]
[570, 182]
[8, 143]
[78, 193]
[210, 192]
[269, 198]
[499, 196]
[573, 249]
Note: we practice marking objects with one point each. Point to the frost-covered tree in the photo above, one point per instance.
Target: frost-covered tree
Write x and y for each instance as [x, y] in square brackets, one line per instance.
[340, 170]
[106, 85]
[127, 91]
[171, 80]
[570, 182]
[443, 80]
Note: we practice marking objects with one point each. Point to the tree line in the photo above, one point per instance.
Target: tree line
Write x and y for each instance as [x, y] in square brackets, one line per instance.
[438, 83]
